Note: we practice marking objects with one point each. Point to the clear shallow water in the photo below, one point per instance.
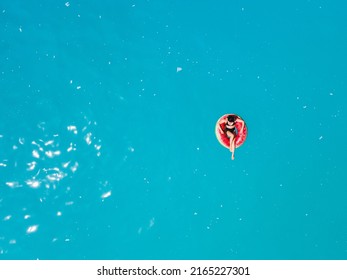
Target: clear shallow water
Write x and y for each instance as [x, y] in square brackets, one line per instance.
[107, 147]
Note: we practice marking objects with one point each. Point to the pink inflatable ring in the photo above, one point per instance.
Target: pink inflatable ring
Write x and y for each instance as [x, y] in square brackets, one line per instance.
[223, 138]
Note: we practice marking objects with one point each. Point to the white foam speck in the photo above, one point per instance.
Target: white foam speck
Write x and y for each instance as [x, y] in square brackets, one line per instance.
[71, 128]
[49, 154]
[74, 167]
[56, 176]
[67, 4]
[106, 195]
[66, 164]
[12, 184]
[179, 69]
[87, 138]
[71, 148]
[52, 154]
[32, 229]
[8, 217]
[35, 154]
[50, 142]
[33, 183]
[97, 147]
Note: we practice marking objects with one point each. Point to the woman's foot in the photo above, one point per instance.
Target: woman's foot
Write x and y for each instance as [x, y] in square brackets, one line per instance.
[232, 157]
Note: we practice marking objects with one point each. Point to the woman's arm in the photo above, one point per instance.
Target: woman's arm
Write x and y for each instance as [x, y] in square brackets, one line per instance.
[242, 123]
[223, 121]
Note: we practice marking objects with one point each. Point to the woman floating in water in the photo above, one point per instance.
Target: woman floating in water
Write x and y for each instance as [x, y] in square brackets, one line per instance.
[231, 132]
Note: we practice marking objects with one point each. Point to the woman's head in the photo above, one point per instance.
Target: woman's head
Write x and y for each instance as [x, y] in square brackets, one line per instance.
[231, 119]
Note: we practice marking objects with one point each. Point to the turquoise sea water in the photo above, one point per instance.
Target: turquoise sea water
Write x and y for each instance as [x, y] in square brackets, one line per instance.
[107, 144]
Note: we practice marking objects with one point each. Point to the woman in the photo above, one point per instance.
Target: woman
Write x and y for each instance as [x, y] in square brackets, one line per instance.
[231, 131]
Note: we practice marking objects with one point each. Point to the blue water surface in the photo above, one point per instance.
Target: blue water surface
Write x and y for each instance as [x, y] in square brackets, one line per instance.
[107, 143]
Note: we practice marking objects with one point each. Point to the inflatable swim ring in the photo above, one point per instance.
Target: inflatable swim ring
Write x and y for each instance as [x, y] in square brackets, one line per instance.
[223, 138]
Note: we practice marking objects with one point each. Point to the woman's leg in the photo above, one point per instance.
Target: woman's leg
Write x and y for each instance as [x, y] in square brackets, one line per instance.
[231, 144]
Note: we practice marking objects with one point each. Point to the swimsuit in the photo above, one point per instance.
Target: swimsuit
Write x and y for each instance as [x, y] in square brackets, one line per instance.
[231, 129]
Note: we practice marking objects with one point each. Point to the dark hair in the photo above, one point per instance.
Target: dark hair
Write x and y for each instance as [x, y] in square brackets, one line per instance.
[231, 118]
